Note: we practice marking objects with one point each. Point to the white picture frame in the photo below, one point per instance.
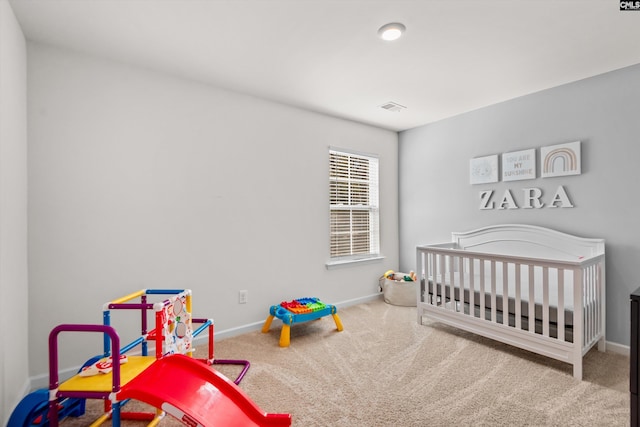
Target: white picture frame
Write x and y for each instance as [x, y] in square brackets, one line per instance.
[519, 165]
[560, 160]
[483, 170]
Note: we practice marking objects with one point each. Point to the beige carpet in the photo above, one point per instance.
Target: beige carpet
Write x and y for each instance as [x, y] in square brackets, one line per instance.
[386, 370]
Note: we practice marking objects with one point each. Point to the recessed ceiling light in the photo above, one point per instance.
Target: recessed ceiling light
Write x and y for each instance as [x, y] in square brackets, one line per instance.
[392, 31]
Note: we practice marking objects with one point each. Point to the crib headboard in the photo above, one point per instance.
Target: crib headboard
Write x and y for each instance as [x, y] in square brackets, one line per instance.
[529, 241]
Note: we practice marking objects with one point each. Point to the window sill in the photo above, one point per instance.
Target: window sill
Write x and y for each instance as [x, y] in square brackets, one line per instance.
[352, 262]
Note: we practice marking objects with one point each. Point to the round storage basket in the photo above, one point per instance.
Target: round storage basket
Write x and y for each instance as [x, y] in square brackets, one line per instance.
[397, 292]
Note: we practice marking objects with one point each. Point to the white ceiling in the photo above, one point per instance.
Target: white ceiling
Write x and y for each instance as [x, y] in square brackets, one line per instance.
[324, 55]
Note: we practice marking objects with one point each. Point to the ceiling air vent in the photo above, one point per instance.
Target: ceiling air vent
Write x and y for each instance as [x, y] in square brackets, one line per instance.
[392, 106]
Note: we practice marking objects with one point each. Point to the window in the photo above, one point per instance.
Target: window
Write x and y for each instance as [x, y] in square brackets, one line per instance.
[353, 189]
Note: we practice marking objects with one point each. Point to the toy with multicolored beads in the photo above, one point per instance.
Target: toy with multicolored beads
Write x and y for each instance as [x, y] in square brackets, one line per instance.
[298, 311]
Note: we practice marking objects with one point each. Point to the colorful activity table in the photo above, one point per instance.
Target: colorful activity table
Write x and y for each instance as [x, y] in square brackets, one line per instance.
[299, 311]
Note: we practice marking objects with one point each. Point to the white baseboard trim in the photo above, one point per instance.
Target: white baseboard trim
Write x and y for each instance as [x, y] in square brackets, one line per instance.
[622, 349]
[360, 300]
[256, 326]
[231, 332]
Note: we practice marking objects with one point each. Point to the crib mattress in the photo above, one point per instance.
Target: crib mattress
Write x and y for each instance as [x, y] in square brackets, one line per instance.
[511, 292]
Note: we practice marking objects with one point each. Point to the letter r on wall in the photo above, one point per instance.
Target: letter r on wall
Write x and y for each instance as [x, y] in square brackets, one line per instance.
[532, 198]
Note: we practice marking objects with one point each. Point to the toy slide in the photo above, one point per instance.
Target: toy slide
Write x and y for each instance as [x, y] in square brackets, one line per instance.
[197, 395]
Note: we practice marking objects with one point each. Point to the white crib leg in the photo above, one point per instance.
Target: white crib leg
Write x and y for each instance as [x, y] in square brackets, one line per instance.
[602, 345]
[577, 369]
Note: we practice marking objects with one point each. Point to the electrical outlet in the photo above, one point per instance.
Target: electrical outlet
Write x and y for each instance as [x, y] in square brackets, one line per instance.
[243, 297]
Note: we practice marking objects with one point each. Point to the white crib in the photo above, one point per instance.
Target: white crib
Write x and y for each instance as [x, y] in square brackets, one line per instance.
[527, 286]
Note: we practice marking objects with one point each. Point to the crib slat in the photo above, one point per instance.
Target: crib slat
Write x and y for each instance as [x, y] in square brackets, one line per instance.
[462, 285]
[586, 284]
[472, 290]
[598, 308]
[594, 313]
[532, 301]
[594, 298]
[590, 283]
[481, 293]
[430, 271]
[598, 277]
[585, 304]
[596, 317]
[493, 291]
[443, 276]
[424, 272]
[420, 273]
[545, 301]
[505, 293]
[560, 308]
[578, 321]
[452, 284]
[518, 302]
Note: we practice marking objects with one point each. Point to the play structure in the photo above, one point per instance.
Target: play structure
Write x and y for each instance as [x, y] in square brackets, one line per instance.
[298, 311]
[170, 379]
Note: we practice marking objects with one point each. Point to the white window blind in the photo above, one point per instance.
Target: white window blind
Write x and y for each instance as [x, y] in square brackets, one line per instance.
[353, 189]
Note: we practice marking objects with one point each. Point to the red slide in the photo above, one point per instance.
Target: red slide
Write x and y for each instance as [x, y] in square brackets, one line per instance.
[197, 395]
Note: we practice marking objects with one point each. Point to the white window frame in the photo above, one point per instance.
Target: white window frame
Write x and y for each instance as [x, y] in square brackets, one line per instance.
[344, 202]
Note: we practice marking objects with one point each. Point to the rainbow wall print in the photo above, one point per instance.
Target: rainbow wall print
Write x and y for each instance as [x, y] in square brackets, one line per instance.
[560, 160]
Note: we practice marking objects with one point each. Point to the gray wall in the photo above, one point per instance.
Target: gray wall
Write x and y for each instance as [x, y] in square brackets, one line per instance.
[602, 112]
[142, 180]
[14, 380]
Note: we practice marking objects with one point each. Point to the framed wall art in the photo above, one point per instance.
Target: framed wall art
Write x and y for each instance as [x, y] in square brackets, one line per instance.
[483, 170]
[560, 160]
[519, 165]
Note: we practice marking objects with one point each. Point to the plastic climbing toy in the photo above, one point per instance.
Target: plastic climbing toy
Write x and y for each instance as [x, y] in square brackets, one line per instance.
[298, 311]
[170, 379]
